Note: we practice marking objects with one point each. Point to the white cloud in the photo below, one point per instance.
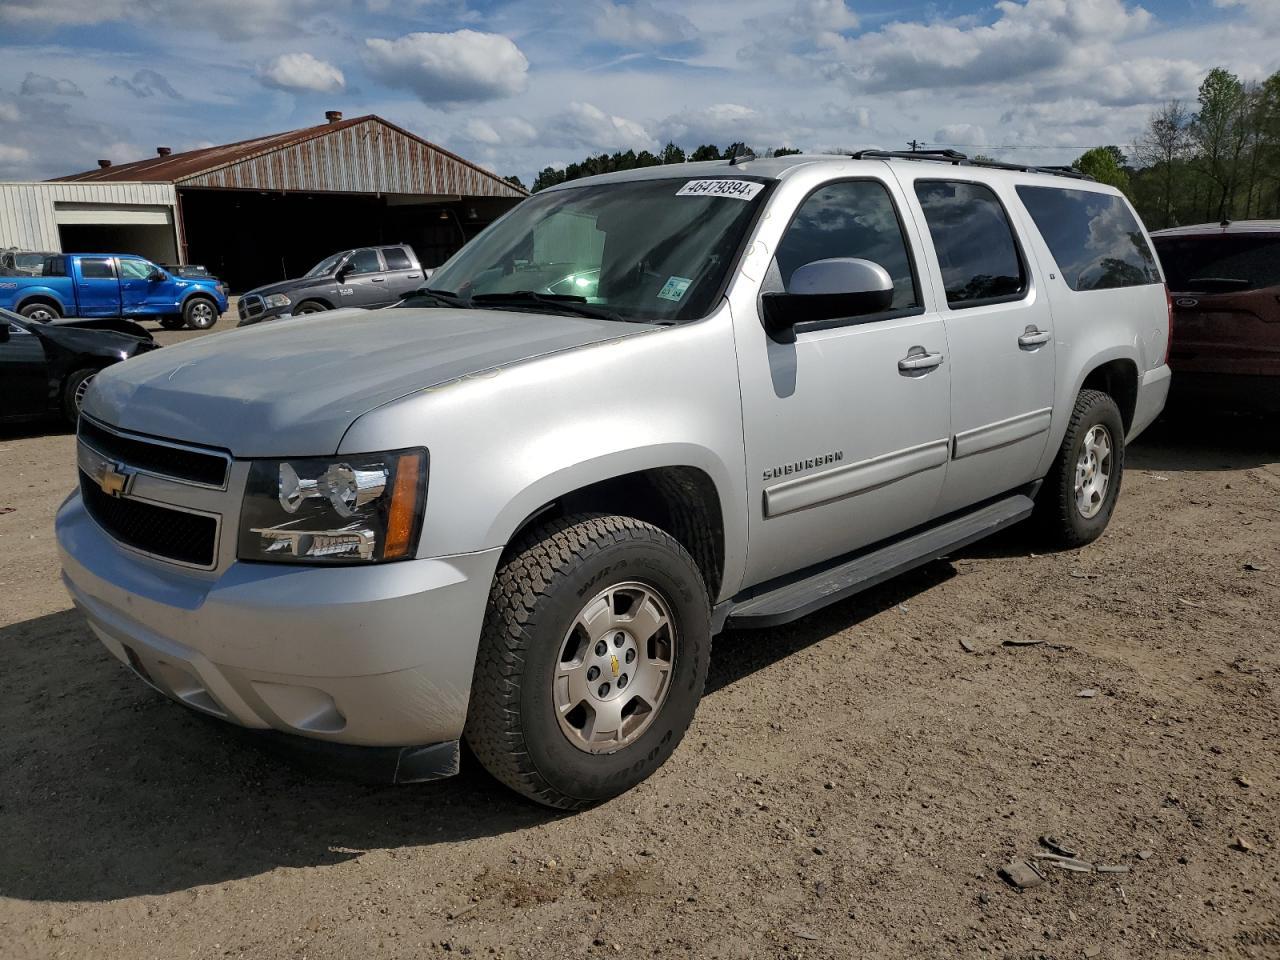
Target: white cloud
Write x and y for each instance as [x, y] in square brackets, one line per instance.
[12, 156]
[590, 127]
[964, 134]
[37, 85]
[1265, 12]
[229, 19]
[640, 24]
[448, 69]
[501, 131]
[9, 113]
[301, 71]
[147, 83]
[822, 16]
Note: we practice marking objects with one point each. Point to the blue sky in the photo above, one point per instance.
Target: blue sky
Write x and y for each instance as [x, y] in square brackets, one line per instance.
[518, 85]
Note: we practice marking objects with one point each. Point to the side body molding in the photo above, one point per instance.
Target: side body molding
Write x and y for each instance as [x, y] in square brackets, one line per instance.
[854, 478]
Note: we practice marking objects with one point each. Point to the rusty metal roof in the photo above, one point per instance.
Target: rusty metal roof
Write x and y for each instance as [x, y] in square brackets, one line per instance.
[362, 155]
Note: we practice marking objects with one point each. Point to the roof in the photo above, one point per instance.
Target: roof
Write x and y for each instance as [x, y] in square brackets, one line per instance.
[778, 168]
[362, 155]
[1217, 229]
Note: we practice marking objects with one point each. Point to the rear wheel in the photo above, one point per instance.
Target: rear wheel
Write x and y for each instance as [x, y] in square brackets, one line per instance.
[1079, 494]
[309, 306]
[73, 391]
[200, 313]
[41, 312]
[592, 660]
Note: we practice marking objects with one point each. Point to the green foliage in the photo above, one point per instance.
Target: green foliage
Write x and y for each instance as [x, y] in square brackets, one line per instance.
[515, 181]
[1101, 164]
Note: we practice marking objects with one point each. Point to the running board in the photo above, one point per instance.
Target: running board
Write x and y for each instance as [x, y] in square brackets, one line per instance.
[798, 598]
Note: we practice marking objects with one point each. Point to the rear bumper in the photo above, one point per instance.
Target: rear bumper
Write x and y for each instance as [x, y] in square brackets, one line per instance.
[1152, 394]
[370, 656]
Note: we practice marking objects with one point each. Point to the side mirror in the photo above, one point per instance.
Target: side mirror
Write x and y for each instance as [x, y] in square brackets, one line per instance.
[341, 275]
[155, 276]
[827, 290]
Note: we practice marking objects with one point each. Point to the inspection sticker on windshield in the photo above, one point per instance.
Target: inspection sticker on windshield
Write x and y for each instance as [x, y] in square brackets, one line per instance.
[674, 288]
[737, 189]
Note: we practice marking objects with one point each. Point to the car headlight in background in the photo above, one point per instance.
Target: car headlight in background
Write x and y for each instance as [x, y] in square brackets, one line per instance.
[359, 509]
[276, 300]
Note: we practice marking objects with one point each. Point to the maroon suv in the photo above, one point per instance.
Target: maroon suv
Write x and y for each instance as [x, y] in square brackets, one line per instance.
[1224, 282]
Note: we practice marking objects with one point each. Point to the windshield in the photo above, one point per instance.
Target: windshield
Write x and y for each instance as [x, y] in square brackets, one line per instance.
[652, 250]
[326, 266]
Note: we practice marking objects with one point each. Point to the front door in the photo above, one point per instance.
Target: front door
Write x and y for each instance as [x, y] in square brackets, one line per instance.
[364, 281]
[24, 373]
[97, 289]
[1000, 337]
[847, 429]
[142, 294]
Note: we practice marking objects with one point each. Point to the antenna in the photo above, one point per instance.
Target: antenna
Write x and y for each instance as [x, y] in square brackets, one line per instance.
[739, 153]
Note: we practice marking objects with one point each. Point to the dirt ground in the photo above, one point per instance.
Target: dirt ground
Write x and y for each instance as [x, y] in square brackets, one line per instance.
[849, 787]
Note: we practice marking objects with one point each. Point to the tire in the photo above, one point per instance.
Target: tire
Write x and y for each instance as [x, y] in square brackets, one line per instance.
[200, 313]
[40, 312]
[544, 587]
[1070, 518]
[172, 323]
[73, 389]
[309, 306]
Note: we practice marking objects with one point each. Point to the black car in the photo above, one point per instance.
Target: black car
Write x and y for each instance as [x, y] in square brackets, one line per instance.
[46, 367]
[367, 277]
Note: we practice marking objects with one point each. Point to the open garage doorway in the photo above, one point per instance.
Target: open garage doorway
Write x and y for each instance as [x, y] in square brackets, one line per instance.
[117, 228]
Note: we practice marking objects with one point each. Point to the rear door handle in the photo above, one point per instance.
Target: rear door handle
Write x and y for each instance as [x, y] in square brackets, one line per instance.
[1034, 337]
[918, 359]
[413, 276]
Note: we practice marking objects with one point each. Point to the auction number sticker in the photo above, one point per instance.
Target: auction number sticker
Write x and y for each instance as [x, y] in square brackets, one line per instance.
[737, 189]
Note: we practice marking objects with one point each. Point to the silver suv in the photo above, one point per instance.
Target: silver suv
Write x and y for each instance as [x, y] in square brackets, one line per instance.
[638, 409]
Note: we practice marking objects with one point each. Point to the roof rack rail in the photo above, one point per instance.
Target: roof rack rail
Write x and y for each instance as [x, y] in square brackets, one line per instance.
[958, 159]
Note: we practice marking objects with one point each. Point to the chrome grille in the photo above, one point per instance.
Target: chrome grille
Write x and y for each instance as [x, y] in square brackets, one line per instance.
[173, 461]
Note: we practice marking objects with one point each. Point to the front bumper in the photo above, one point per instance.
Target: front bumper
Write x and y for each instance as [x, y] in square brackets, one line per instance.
[373, 656]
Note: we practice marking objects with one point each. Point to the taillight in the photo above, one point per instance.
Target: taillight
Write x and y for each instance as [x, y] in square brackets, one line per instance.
[1168, 343]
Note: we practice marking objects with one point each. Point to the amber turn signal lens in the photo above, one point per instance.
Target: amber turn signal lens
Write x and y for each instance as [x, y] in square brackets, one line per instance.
[404, 507]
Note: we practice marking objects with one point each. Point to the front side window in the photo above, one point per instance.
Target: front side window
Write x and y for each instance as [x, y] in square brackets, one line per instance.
[134, 270]
[854, 218]
[1094, 237]
[976, 249]
[647, 250]
[364, 261]
[396, 259]
[1224, 263]
[325, 267]
[96, 269]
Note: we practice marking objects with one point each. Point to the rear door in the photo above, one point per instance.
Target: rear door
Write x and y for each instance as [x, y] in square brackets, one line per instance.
[1000, 339]
[364, 282]
[403, 275]
[24, 373]
[97, 288]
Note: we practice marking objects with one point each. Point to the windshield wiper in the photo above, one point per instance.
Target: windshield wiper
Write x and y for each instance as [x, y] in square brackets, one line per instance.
[445, 298]
[555, 302]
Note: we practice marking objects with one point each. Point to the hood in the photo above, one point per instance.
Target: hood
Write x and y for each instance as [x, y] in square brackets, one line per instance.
[293, 389]
[105, 339]
[288, 286]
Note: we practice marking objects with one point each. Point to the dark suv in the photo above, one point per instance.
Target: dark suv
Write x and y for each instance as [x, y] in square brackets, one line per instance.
[364, 277]
[1224, 281]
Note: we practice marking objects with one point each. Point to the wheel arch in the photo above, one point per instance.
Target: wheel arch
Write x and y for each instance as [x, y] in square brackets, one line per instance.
[42, 296]
[1118, 378]
[315, 298]
[679, 498]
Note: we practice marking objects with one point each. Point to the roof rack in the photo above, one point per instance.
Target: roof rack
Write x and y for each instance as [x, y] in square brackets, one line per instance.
[959, 159]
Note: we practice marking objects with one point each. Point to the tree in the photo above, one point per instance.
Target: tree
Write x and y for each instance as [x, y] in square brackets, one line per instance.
[672, 154]
[1100, 163]
[707, 151]
[1163, 147]
[515, 181]
[1219, 136]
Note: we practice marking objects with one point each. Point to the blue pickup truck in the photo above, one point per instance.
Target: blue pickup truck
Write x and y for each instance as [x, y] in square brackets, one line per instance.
[113, 285]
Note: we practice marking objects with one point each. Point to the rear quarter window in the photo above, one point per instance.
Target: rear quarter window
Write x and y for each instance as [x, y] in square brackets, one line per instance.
[1095, 239]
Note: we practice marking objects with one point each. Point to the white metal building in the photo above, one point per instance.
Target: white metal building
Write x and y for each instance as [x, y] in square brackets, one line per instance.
[110, 217]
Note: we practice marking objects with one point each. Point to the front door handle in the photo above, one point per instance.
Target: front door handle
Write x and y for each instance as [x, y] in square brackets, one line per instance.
[918, 359]
[1033, 336]
[379, 279]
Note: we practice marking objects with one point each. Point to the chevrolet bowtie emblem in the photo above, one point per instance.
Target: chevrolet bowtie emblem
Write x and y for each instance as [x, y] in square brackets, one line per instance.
[114, 481]
[613, 663]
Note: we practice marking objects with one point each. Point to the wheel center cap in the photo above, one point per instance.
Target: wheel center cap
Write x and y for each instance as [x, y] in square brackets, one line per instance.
[612, 662]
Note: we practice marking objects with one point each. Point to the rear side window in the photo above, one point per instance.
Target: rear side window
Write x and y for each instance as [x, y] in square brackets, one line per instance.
[1094, 237]
[96, 269]
[976, 249]
[854, 218]
[1220, 264]
[396, 259]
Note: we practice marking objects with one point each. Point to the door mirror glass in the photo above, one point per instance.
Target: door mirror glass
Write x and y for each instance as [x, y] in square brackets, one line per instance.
[828, 290]
[155, 276]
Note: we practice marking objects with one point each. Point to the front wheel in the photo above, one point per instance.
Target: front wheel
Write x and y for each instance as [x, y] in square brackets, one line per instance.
[309, 306]
[73, 392]
[40, 312]
[592, 660]
[1079, 494]
[199, 313]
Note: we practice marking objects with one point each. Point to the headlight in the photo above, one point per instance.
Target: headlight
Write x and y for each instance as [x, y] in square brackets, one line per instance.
[360, 509]
[277, 300]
